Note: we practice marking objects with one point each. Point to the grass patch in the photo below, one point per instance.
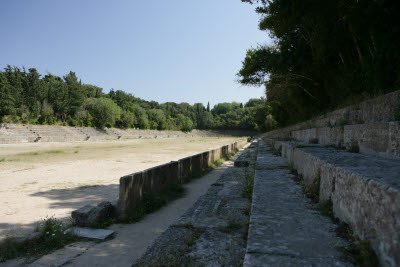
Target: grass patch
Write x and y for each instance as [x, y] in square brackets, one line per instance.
[326, 208]
[153, 202]
[2, 159]
[248, 184]
[57, 151]
[358, 252]
[50, 238]
[310, 190]
[343, 123]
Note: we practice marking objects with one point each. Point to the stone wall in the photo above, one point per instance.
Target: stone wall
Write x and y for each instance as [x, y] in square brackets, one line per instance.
[154, 180]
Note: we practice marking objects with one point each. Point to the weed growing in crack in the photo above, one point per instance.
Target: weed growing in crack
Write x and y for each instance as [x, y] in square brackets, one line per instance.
[354, 148]
[358, 252]
[326, 208]
[248, 184]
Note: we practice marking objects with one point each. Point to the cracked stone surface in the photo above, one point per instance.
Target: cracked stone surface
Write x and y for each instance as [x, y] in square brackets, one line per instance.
[285, 229]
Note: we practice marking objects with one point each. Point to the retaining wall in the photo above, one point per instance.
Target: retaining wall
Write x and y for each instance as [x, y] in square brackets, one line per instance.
[153, 180]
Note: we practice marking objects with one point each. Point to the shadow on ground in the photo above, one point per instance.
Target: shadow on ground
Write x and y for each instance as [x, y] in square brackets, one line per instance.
[79, 196]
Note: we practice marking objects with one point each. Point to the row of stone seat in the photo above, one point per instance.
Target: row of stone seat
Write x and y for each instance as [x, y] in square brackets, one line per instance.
[364, 190]
[364, 186]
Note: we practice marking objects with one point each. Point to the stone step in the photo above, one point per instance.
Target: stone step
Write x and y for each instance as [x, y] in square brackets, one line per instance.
[364, 189]
[285, 229]
[375, 138]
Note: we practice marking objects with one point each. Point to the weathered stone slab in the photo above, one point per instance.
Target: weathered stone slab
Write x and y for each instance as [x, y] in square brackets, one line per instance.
[90, 233]
[62, 256]
[285, 229]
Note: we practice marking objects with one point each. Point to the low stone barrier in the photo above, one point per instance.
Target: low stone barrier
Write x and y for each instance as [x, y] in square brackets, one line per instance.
[365, 192]
[378, 138]
[154, 180]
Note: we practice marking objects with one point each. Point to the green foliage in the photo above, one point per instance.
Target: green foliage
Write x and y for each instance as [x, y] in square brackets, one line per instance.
[306, 71]
[184, 123]
[103, 111]
[248, 184]
[26, 97]
[51, 237]
[358, 252]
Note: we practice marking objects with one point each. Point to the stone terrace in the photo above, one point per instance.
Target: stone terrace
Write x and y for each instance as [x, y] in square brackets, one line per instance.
[21, 133]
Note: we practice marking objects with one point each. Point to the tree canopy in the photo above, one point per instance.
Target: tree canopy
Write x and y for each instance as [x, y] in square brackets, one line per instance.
[28, 97]
[323, 54]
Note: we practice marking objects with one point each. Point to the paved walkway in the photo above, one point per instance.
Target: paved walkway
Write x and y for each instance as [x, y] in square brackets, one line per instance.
[285, 229]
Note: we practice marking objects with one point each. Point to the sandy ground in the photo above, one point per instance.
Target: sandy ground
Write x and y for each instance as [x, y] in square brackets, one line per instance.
[53, 179]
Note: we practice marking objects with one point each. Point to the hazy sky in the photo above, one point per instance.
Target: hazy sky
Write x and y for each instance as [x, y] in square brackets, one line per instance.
[175, 50]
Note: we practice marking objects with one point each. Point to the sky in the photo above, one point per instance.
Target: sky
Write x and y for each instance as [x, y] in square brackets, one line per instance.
[175, 50]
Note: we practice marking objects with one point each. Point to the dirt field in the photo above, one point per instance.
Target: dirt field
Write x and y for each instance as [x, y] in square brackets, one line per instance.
[52, 179]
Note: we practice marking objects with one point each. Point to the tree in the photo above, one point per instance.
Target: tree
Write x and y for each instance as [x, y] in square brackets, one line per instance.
[127, 120]
[76, 95]
[306, 71]
[103, 110]
[184, 123]
[157, 119]
[208, 107]
[6, 98]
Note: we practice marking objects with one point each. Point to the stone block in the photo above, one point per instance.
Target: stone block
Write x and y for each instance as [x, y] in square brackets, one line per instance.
[185, 168]
[196, 161]
[90, 215]
[99, 234]
[205, 160]
[372, 138]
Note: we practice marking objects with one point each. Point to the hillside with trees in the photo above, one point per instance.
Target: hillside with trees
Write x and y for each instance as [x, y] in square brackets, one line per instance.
[323, 55]
[28, 97]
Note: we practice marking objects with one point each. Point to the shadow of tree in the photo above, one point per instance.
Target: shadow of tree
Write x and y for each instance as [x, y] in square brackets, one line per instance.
[78, 197]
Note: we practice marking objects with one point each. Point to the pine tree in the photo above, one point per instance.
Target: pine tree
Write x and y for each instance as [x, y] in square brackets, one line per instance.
[6, 98]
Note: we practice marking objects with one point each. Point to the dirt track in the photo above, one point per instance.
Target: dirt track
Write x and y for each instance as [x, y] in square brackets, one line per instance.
[52, 179]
